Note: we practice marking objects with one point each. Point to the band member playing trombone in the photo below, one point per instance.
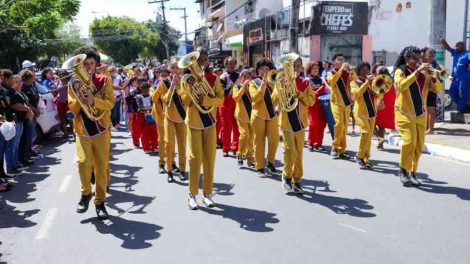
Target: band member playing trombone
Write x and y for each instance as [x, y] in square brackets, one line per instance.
[202, 93]
[413, 81]
[367, 92]
[264, 120]
[175, 128]
[294, 94]
[91, 107]
[339, 79]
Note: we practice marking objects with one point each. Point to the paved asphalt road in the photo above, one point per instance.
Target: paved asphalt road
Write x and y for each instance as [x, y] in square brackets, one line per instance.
[346, 216]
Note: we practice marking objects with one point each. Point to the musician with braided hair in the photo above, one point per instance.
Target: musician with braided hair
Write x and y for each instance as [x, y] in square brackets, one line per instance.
[413, 83]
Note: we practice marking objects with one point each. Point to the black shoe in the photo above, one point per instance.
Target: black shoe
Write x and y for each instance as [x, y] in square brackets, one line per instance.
[297, 188]
[240, 161]
[161, 169]
[334, 154]
[250, 164]
[368, 165]
[176, 170]
[320, 149]
[287, 184]
[13, 172]
[101, 211]
[414, 180]
[404, 177]
[360, 162]
[271, 168]
[344, 156]
[225, 155]
[219, 145]
[27, 162]
[183, 176]
[311, 148]
[8, 177]
[170, 178]
[83, 204]
[261, 173]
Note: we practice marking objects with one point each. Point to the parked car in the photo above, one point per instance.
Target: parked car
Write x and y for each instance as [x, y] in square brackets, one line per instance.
[48, 120]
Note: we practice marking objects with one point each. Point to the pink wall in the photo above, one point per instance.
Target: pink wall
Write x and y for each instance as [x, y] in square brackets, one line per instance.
[367, 48]
[315, 47]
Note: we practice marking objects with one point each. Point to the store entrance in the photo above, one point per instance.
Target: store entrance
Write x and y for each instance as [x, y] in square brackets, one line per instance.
[349, 45]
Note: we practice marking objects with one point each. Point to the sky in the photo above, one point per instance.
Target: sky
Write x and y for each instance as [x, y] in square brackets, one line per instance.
[139, 10]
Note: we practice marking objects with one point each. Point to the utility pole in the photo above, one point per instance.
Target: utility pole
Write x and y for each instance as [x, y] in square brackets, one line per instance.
[465, 25]
[294, 27]
[184, 17]
[437, 30]
[164, 29]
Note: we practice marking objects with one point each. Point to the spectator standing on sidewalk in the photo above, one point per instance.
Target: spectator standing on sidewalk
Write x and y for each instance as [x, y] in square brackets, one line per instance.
[29, 90]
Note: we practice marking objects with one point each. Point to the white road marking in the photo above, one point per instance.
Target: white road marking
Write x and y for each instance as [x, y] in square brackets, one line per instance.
[352, 227]
[46, 224]
[65, 183]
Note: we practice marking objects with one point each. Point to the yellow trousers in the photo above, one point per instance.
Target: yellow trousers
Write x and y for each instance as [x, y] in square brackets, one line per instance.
[93, 154]
[367, 129]
[175, 130]
[341, 116]
[412, 133]
[202, 147]
[293, 155]
[161, 144]
[245, 142]
[263, 129]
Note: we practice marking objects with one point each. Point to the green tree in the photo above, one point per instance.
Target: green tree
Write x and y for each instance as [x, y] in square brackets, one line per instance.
[122, 38]
[66, 41]
[24, 25]
[170, 37]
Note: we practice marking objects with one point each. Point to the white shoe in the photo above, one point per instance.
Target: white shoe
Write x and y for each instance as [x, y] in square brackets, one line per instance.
[207, 200]
[192, 203]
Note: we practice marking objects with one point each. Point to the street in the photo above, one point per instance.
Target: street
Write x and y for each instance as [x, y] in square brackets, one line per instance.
[347, 215]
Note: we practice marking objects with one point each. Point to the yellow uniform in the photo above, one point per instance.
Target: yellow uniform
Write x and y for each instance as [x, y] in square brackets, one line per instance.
[410, 113]
[293, 126]
[175, 127]
[202, 136]
[93, 138]
[243, 111]
[341, 101]
[264, 122]
[157, 114]
[365, 112]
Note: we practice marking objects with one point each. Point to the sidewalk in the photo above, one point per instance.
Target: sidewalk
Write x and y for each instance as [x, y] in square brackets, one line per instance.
[450, 141]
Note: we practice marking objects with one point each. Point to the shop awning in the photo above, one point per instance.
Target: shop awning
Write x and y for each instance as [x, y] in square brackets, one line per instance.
[235, 41]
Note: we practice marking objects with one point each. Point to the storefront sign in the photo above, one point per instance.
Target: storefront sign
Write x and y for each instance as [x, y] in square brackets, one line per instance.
[254, 32]
[339, 18]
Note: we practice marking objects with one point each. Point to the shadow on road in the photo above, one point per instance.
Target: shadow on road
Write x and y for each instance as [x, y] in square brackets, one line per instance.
[249, 219]
[134, 234]
[439, 187]
[139, 203]
[223, 188]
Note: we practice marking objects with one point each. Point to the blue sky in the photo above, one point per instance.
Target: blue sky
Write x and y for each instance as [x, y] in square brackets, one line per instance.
[139, 10]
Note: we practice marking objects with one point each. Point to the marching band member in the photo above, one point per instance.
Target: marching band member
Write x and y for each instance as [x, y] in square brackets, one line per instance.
[413, 82]
[227, 109]
[316, 116]
[264, 121]
[157, 113]
[243, 108]
[93, 137]
[365, 111]
[148, 127]
[339, 79]
[201, 131]
[385, 111]
[175, 128]
[293, 124]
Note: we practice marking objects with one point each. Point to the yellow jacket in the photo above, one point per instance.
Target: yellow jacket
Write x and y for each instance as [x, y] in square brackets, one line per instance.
[297, 119]
[242, 97]
[194, 118]
[263, 106]
[157, 106]
[104, 101]
[173, 107]
[340, 90]
[410, 102]
[365, 100]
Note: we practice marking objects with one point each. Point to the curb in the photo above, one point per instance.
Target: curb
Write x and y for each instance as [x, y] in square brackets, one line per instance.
[457, 154]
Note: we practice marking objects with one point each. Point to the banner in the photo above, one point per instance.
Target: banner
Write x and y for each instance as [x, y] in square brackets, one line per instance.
[339, 18]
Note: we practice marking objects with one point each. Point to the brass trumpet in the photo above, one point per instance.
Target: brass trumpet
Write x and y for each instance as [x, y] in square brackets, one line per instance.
[439, 73]
[381, 84]
[349, 67]
[288, 91]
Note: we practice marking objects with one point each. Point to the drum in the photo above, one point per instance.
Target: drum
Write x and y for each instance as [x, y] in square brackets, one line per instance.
[325, 106]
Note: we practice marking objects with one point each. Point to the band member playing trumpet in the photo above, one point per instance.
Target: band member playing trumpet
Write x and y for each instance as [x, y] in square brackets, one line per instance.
[243, 108]
[365, 108]
[229, 129]
[202, 92]
[264, 119]
[92, 122]
[413, 81]
[339, 79]
[175, 128]
[294, 94]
